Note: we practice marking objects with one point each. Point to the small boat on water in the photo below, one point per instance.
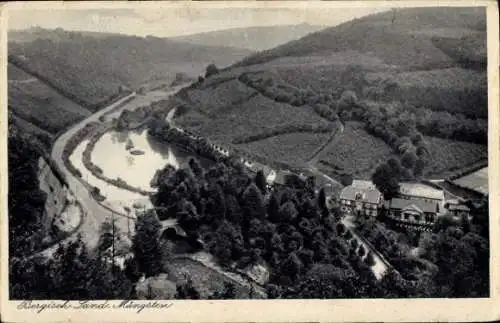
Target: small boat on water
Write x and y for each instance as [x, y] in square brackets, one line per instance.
[137, 152]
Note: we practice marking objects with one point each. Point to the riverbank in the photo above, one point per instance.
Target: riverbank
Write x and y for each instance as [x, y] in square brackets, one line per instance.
[73, 142]
[97, 171]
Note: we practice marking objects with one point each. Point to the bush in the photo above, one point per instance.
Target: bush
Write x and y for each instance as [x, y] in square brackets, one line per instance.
[341, 229]
[369, 260]
[211, 70]
[354, 243]
[361, 251]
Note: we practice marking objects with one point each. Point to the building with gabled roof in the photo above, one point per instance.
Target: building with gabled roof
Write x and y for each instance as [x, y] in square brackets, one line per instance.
[361, 198]
[420, 191]
[413, 212]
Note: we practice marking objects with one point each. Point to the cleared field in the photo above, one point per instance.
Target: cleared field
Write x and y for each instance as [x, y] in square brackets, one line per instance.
[204, 279]
[42, 106]
[354, 152]
[324, 73]
[451, 89]
[16, 74]
[477, 181]
[293, 149]
[256, 115]
[220, 98]
[449, 156]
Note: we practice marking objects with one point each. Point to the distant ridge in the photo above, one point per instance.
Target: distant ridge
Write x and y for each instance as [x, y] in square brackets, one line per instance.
[252, 38]
[411, 37]
[93, 67]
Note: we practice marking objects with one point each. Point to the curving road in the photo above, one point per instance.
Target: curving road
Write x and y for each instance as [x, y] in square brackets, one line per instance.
[94, 214]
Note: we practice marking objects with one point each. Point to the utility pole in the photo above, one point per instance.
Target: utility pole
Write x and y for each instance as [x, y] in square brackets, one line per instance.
[113, 241]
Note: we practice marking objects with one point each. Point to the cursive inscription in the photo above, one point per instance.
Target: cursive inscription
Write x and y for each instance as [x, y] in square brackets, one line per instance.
[136, 306]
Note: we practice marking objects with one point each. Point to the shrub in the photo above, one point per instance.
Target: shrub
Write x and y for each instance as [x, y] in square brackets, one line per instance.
[361, 251]
[354, 243]
[369, 259]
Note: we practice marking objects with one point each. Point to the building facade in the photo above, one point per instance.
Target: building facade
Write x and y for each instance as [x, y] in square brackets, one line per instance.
[458, 210]
[418, 206]
[361, 197]
[419, 214]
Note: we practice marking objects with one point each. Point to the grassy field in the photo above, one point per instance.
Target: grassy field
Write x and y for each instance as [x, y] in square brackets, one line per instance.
[449, 156]
[354, 152]
[39, 104]
[204, 279]
[256, 115]
[223, 98]
[15, 74]
[294, 148]
[477, 181]
[454, 90]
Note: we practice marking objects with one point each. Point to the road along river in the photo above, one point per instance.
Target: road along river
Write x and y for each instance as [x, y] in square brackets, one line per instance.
[94, 213]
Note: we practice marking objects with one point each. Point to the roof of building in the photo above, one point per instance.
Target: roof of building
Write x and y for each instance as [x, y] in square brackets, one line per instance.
[421, 190]
[421, 205]
[281, 176]
[363, 184]
[367, 195]
[458, 207]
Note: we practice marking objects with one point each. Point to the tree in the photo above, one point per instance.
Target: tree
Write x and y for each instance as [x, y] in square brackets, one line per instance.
[386, 179]
[322, 199]
[369, 259]
[234, 212]
[187, 291]
[211, 70]
[288, 212]
[108, 239]
[292, 266]
[273, 207]
[253, 203]
[195, 166]
[228, 292]
[146, 243]
[227, 242]
[346, 179]
[418, 169]
[361, 251]
[261, 182]
[409, 159]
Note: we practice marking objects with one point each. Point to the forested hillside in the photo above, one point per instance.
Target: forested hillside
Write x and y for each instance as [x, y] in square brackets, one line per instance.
[407, 76]
[92, 68]
[252, 38]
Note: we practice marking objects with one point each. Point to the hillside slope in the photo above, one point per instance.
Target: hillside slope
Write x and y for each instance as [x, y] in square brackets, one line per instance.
[401, 75]
[94, 68]
[410, 38]
[39, 108]
[252, 38]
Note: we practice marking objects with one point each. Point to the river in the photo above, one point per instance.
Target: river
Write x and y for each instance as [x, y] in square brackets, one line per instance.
[110, 153]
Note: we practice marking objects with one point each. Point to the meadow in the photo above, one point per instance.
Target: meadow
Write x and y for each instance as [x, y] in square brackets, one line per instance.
[41, 105]
[256, 115]
[450, 156]
[354, 152]
[293, 148]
